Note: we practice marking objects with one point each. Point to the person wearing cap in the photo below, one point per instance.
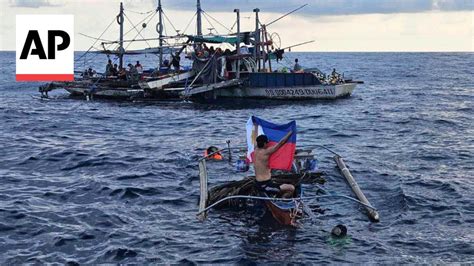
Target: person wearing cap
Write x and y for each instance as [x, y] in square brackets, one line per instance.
[263, 174]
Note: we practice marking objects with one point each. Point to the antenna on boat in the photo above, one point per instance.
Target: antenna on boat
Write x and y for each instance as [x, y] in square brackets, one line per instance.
[256, 50]
[160, 32]
[198, 17]
[237, 70]
[121, 50]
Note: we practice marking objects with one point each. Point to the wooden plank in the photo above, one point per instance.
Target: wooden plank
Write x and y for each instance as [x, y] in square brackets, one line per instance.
[371, 213]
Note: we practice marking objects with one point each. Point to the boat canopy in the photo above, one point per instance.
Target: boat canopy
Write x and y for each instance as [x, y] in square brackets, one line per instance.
[219, 38]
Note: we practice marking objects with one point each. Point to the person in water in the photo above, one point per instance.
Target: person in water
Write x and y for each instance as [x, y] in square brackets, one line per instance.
[297, 67]
[263, 173]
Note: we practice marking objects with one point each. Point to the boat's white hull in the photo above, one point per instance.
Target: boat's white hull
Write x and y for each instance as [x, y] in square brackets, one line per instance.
[299, 92]
[158, 84]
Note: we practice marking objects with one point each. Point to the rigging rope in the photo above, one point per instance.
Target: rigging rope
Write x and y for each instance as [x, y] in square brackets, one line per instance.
[207, 14]
[113, 20]
[141, 13]
[169, 21]
[139, 31]
[95, 38]
[189, 23]
[141, 21]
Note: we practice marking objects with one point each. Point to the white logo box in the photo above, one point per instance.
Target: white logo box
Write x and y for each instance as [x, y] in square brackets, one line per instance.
[35, 69]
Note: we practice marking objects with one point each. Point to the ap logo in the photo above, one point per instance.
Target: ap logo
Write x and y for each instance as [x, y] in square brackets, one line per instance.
[44, 47]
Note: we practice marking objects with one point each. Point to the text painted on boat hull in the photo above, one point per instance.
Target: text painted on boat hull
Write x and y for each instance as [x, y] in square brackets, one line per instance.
[300, 92]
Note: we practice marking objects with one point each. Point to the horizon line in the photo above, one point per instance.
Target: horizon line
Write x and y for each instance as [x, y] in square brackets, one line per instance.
[381, 51]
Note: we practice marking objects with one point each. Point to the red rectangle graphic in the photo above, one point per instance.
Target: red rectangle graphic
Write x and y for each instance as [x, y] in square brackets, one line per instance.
[44, 77]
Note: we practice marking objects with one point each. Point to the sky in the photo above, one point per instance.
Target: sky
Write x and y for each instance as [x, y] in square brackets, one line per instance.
[334, 25]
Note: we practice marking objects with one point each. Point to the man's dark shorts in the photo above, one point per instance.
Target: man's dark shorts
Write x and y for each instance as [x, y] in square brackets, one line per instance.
[269, 187]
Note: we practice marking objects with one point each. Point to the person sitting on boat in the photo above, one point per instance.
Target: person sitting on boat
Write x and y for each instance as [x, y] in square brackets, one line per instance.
[139, 67]
[132, 71]
[244, 50]
[219, 52]
[122, 74]
[175, 61]
[335, 77]
[108, 68]
[297, 68]
[90, 73]
[114, 71]
[263, 173]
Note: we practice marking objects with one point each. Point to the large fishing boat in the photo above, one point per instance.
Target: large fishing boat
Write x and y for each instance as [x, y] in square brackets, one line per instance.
[122, 84]
[247, 70]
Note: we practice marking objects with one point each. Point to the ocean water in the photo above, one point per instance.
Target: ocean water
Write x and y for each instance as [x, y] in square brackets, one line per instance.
[106, 181]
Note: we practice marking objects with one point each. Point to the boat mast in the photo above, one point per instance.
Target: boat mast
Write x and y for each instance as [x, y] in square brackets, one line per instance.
[121, 50]
[160, 32]
[198, 22]
[256, 50]
[237, 71]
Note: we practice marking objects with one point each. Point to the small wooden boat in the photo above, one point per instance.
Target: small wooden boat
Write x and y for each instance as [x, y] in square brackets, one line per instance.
[285, 211]
[243, 192]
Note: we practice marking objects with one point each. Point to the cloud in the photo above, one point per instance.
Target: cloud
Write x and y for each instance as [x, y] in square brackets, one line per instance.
[325, 7]
[31, 3]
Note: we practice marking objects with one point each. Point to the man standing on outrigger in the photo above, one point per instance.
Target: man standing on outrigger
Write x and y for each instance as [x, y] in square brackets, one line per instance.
[263, 173]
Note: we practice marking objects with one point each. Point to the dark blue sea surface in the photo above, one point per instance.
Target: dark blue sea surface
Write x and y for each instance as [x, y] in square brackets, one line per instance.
[107, 181]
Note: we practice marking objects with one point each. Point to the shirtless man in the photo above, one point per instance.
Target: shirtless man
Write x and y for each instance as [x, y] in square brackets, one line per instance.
[263, 172]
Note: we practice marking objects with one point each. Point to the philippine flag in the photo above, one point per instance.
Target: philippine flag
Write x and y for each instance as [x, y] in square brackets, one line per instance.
[281, 159]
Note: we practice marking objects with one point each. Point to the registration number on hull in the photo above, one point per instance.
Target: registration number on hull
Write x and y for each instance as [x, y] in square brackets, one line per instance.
[300, 92]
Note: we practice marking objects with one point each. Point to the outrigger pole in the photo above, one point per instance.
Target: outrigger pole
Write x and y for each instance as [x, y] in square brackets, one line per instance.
[121, 50]
[371, 211]
[287, 14]
[202, 215]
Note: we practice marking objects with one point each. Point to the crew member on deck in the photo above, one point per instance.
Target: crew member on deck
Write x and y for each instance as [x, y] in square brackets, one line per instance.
[114, 70]
[139, 67]
[263, 173]
[297, 68]
[122, 74]
[175, 61]
[132, 71]
[108, 68]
